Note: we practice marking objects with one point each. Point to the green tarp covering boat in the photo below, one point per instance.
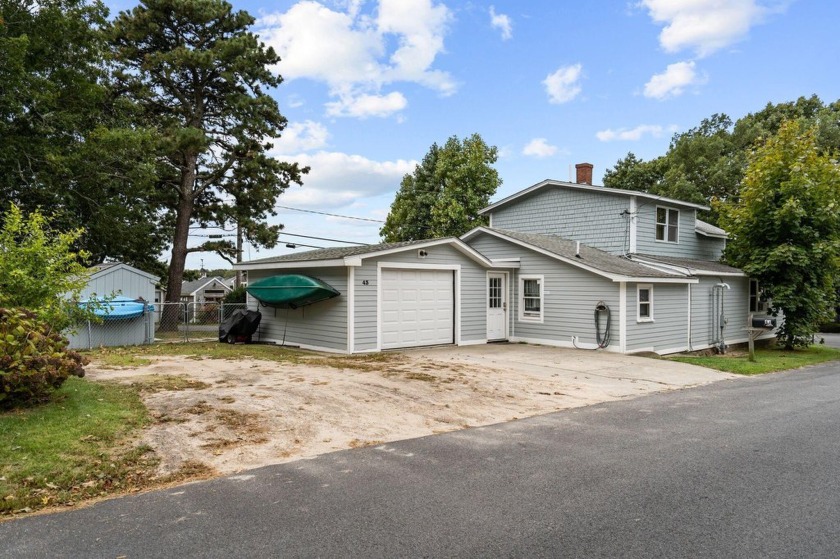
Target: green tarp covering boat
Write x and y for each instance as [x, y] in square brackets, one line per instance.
[290, 291]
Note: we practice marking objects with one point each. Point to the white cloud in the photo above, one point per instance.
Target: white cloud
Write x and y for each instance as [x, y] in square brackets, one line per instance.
[337, 179]
[632, 134]
[301, 136]
[357, 53]
[673, 81]
[366, 105]
[705, 26]
[539, 147]
[562, 85]
[501, 22]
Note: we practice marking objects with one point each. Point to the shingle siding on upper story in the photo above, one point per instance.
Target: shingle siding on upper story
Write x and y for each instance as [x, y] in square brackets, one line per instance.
[589, 217]
[597, 220]
[689, 243]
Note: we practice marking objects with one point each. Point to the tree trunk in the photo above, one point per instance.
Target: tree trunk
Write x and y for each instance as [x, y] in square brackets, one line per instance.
[170, 316]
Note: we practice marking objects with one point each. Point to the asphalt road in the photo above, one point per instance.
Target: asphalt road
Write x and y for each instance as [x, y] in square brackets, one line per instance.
[742, 468]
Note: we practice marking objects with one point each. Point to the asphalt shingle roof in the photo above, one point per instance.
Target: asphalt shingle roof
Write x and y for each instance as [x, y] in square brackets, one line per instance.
[693, 264]
[708, 229]
[592, 257]
[188, 287]
[332, 253]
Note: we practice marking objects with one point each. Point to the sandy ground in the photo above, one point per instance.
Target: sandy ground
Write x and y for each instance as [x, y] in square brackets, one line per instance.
[248, 413]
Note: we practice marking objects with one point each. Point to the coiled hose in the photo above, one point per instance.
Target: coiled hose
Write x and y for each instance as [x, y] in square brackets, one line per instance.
[603, 338]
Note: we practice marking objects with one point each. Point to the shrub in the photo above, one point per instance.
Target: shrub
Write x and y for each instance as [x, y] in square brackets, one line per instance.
[34, 359]
[237, 295]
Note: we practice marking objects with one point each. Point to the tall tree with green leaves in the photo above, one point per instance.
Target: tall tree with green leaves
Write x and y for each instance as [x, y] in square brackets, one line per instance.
[633, 173]
[444, 194]
[203, 78]
[68, 142]
[708, 162]
[785, 228]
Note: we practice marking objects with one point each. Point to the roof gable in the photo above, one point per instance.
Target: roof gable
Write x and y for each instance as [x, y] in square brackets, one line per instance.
[353, 256]
[549, 183]
[194, 286]
[105, 268]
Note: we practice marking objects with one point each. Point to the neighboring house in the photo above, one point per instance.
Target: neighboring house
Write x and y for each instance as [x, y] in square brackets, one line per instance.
[231, 281]
[204, 290]
[108, 280]
[564, 264]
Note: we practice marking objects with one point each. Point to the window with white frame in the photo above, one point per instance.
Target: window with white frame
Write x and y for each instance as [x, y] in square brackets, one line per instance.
[644, 303]
[757, 303]
[531, 298]
[667, 224]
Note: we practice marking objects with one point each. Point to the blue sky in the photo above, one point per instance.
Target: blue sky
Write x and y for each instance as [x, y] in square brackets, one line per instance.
[370, 85]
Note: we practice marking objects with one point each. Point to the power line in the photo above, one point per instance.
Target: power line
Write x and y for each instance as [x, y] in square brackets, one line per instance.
[322, 238]
[331, 215]
[222, 235]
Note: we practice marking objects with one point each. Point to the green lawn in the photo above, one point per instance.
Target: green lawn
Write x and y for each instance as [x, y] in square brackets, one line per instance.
[136, 356]
[76, 446]
[767, 360]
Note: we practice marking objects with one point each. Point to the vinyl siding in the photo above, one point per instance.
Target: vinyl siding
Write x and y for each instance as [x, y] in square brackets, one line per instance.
[736, 311]
[589, 217]
[120, 281]
[709, 248]
[322, 325]
[689, 245]
[596, 220]
[669, 328]
[569, 295]
[473, 275]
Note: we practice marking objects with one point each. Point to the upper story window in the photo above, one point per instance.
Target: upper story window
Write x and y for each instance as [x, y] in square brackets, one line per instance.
[530, 298]
[667, 224]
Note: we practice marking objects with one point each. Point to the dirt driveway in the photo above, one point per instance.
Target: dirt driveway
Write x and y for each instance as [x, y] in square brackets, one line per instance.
[232, 415]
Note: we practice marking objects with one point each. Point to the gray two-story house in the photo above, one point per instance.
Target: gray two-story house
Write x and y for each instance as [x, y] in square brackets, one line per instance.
[560, 263]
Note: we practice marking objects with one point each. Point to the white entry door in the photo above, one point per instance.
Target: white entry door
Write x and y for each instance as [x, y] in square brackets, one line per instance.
[418, 308]
[496, 307]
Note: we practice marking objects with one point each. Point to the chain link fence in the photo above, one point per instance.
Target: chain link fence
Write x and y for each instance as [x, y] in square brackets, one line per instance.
[159, 323]
[191, 322]
[119, 325]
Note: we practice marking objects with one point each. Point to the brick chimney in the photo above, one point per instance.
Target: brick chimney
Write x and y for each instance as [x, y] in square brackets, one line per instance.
[584, 173]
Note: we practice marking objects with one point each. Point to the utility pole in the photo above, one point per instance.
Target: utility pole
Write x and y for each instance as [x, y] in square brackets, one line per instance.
[238, 254]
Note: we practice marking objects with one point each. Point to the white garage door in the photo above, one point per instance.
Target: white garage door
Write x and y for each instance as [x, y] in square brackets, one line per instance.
[418, 308]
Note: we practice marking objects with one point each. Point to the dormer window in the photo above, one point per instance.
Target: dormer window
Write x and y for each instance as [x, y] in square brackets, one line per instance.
[667, 225]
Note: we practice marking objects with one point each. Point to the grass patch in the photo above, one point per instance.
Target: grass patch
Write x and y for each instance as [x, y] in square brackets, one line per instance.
[159, 383]
[77, 446]
[768, 360]
[425, 377]
[137, 356]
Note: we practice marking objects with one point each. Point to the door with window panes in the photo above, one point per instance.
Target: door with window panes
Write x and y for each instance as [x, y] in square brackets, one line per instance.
[496, 307]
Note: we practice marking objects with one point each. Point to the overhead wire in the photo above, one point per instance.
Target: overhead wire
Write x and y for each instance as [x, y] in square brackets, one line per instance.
[278, 206]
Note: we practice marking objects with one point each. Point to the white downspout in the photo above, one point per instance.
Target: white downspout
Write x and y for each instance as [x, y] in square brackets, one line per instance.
[622, 316]
[688, 344]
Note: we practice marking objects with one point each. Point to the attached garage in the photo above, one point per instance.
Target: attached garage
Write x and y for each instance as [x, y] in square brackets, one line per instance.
[394, 295]
[418, 307]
